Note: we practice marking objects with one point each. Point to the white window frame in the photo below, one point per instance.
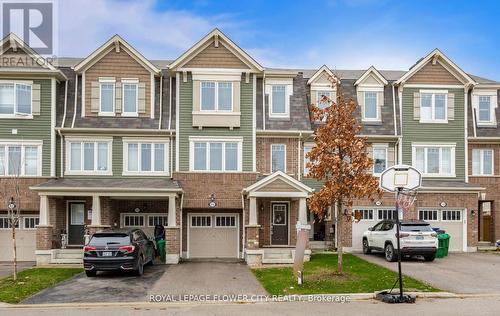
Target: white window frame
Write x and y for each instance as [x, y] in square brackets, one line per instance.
[5, 219]
[377, 106]
[130, 82]
[451, 220]
[386, 211]
[207, 140]
[271, 162]
[433, 106]
[163, 215]
[426, 211]
[103, 81]
[152, 142]
[452, 147]
[492, 94]
[29, 217]
[201, 226]
[384, 147]
[16, 113]
[365, 212]
[288, 83]
[95, 141]
[305, 161]
[481, 162]
[216, 96]
[225, 226]
[23, 144]
[138, 215]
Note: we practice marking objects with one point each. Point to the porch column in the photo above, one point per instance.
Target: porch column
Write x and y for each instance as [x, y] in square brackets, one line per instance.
[172, 232]
[96, 211]
[44, 210]
[44, 233]
[252, 217]
[302, 211]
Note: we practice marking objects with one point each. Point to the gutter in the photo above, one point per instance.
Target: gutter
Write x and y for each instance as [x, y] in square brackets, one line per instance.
[115, 130]
[103, 189]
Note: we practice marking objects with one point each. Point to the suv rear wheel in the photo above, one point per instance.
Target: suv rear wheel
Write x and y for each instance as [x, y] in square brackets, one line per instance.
[91, 273]
[366, 247]
[430, 257]
[140, 266]
[390, 254]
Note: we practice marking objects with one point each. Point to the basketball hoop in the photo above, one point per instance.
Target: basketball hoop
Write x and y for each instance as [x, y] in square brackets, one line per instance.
[406, 199]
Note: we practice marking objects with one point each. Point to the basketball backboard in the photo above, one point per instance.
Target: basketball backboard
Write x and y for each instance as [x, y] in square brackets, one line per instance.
[400, 176]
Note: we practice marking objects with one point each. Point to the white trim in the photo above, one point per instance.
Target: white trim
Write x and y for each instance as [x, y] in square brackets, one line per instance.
[216, 74]
[215, 139]
[433, 86]
[254, 124]
[287, 83]
[371, 70]
[53, 97]
[481, 162]
[94, 140]
[216, 109]
[152, 141]
[284, 157]
[493, 96]
[378, 117]
[278, 175]
[433, 106]
[23, 144]
[17, 114]
[134, 82]
[122, 219]
[322, 69]
[105, 81]
[452, 147]
[177, 135]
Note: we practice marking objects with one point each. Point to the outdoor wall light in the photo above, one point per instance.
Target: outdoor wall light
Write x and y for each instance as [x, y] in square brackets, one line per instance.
[378, 203]
[443, 204]
[472, 212]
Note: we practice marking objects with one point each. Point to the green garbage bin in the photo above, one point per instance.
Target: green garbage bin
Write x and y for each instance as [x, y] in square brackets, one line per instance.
[160, 245]
[443, 244]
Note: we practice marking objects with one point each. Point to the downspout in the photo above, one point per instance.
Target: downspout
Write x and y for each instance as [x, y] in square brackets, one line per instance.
[299, 171]
[400, 147]
[76, 98]
[62, 152]
[394, 110]
[161, 101]
[180, 228]
[171, 156]
[170, 102]
[264, 101]
[65, 103]
[243, 244]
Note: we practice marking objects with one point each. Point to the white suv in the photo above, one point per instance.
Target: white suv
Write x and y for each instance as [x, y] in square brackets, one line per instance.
[416, 238]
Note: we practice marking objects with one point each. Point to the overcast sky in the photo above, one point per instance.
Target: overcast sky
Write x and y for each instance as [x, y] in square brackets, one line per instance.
[352, 34]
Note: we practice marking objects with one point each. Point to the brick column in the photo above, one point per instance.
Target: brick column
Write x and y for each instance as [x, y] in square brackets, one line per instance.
[44, 233]
[96, 223]
[173, 231]
[43, 237]
[252, 237]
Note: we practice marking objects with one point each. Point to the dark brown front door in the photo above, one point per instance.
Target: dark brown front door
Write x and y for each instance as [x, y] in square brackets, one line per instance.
[486, 221]
[279, 224]
[76, 223]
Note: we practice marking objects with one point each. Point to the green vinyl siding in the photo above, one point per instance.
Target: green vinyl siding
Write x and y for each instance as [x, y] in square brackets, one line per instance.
[451, 132]
[186, 128]
[35, 129]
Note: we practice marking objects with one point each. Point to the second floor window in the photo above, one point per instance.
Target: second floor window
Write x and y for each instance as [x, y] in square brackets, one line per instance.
[371, 107]
[379, 160]
[278, 157]
[89, 157]
[20, 160]
[307, 149]
[130, 99]
[216, 156]
[482, 162]
[15, 99]
[433, 107]
[434, 160]
[107, 99]
[216, 96]
[484, 109]
[278, 100]
[146, 158]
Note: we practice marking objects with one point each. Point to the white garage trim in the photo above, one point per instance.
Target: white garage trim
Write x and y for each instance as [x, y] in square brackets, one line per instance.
[213, 226]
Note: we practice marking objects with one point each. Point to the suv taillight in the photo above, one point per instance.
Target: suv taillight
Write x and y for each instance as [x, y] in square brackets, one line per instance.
[402, 235]
[434, 235]
[88, 248]
[127, 249]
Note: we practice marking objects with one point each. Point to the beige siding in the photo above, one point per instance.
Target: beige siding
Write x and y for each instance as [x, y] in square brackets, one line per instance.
[18, 58]
[370, 79]
[216, 57]
[278, 186]
[434, 74]
[118, 65]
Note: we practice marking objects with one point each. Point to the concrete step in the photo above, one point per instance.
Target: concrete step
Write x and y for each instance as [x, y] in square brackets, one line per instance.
[486, 248]
[67, 261]
[277, 261]
[68, 254]
[278, 255]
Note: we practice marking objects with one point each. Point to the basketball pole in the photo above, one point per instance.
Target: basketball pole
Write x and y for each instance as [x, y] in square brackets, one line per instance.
[398, 190]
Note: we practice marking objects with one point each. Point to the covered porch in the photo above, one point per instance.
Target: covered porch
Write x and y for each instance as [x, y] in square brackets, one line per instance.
[71, 210]
[274, 206]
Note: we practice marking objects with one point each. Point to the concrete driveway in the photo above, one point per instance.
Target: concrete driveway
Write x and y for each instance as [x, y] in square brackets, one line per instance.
[208, 278]
[457, 273]
[6, 267]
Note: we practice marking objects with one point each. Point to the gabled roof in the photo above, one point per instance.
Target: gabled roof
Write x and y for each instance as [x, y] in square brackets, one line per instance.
[103, 49]
[300, 187]
[318, 73]
[374, 71]
[13, 41]
[435, 54]
[200, 45]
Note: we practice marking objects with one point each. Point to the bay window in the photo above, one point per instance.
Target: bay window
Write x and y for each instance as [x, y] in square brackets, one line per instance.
[278, 158]
[434, 160]
[215, 155]
[216, 96]
[145, 157]
[88, 157]
[433, 106]
[22, 159]
[482, 162]
[15, 99]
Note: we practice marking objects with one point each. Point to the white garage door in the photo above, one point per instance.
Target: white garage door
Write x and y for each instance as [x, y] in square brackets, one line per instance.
[25, 239]
[213, 236]
[451, 221]
[368, 217]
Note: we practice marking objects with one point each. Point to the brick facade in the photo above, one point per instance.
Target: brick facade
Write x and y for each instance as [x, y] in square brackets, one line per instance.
[263, 152]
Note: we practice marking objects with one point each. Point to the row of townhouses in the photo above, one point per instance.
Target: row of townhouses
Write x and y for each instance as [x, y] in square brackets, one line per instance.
[212, 146]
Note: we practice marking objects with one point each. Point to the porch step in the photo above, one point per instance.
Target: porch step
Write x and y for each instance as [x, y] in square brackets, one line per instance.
[316, 246]
[277, 256]
[66, 261]
[68, 256]
[486, 246]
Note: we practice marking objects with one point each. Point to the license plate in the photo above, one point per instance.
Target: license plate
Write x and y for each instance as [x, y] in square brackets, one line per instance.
[107, 253]
[419, 238]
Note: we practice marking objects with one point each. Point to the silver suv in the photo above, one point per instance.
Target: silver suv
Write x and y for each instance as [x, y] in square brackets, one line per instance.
[417, 238]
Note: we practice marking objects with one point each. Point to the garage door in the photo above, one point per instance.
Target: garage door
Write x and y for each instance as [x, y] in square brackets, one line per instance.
[213, 236]
[451, 221]
[365, 218]
[25, 239]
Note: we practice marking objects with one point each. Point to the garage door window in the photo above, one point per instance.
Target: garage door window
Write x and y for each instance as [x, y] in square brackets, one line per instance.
[133, 220]
[154, 220]
[387, 214]
[201, 221]
[428, 215]
[363, 214]
[451, 215]
[4, 223]
[30, 222]
[225, 221]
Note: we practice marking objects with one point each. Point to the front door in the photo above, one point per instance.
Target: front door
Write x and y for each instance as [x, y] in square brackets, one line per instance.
[76, 222]
[486, 221]
[279, 224]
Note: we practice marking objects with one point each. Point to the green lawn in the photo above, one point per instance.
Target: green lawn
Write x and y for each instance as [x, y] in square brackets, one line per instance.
[32, 281]
[320, 277]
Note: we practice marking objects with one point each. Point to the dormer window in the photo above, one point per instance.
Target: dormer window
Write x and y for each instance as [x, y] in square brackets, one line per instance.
[107, 97]
[320, 99]
[371, 107]
[278, 105]
[216, 96]
[279, 92]
[484, 114]
[130, 97]
[484, 103]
